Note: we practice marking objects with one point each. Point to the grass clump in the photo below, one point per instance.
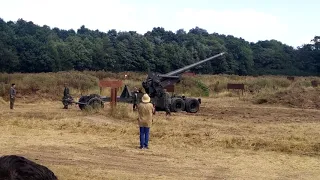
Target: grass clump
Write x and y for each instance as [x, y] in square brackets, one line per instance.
[120, 111]
[191, 86]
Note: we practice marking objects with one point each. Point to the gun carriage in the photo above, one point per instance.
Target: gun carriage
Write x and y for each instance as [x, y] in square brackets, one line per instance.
[155, 85]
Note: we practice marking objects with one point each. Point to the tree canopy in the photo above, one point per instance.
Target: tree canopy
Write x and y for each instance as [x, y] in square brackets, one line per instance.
[27, 47]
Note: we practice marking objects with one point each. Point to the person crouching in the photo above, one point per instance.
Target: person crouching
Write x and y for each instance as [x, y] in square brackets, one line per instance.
[145, 111]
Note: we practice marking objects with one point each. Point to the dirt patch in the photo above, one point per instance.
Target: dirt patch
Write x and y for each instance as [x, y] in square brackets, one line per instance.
[132, 162]
[227, 139]
[100, 119]
[295, 97]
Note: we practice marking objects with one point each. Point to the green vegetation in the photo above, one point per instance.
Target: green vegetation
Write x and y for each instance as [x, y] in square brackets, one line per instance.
[49, 85]
[261, 89]
[29, 48]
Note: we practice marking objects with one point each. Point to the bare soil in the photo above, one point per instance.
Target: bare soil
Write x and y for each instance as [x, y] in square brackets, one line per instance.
[226, 139]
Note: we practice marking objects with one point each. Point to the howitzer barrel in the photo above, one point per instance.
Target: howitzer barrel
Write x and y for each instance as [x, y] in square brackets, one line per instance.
[178, 71]
[166, 76]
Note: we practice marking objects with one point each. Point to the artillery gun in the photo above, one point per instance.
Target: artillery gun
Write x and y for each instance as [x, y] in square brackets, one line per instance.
[155, 86]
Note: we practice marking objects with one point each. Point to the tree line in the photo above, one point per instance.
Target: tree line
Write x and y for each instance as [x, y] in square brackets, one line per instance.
[27, 47]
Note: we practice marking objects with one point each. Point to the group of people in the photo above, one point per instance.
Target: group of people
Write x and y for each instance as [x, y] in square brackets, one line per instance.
[66, 96]
[137, 98]
[142, 104]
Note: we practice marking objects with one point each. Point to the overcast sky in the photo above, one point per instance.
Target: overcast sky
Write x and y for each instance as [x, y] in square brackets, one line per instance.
[293, 22]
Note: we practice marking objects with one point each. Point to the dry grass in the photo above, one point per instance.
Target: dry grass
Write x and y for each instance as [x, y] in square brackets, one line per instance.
[260, 89]
[227, 139]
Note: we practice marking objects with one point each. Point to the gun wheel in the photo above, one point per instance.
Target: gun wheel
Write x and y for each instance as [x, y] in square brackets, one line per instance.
[192, 105]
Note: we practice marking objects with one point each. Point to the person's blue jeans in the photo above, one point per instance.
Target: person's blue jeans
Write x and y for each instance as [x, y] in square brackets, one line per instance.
[144, 137]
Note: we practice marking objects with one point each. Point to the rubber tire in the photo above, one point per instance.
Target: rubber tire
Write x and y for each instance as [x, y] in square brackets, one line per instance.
[177, 105]
[96, 103]
[83, 99]
[192, 105]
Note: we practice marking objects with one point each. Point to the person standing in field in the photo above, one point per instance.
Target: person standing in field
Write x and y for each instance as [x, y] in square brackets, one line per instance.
[66, 100]
[12, 95]
[135, 99]
[167, 101]
[145, 111]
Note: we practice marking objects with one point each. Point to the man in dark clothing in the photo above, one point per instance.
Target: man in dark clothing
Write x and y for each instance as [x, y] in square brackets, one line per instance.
[66, 91]
[137, 95]
[167, 102]
[135, 99]
[66, 100]
[12, 95]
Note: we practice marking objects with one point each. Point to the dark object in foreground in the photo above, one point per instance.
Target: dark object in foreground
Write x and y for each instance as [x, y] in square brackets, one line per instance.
[14, 167]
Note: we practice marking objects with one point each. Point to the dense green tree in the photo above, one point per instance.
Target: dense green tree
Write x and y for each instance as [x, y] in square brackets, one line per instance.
[9, 60]
[309, 57]
[27, 47]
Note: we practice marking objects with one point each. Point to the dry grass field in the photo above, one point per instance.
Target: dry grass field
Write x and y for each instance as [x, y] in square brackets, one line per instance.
[228, 138]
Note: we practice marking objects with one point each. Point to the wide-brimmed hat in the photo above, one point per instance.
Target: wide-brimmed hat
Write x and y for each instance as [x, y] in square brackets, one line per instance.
[145, 98]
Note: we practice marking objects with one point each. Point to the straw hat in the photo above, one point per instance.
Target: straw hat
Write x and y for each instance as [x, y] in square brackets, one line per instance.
[145, 98]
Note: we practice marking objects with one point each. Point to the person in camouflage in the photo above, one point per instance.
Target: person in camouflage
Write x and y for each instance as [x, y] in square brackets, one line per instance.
[167, 102]
[135, 99]
[12, 95]
[67, 99]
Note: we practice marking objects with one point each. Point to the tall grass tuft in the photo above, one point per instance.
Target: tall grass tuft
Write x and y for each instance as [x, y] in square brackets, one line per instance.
[203, 87]
[191, 86]
[120, 111]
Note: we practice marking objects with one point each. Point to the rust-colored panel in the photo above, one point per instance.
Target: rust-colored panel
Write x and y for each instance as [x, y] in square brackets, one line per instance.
[189, 74]
[113, 96]
[291, 78]
[108, 83]
[170, 88]
[235, 86]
